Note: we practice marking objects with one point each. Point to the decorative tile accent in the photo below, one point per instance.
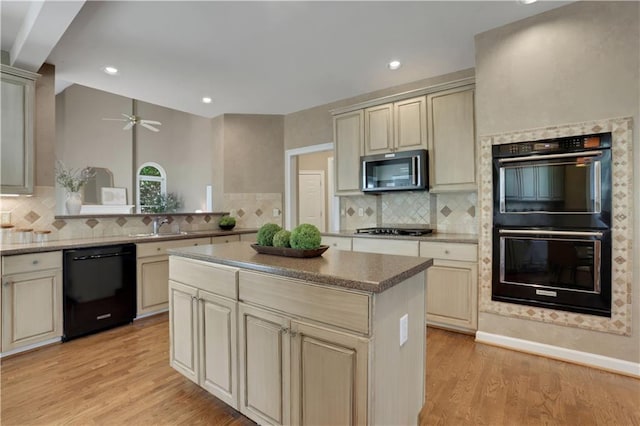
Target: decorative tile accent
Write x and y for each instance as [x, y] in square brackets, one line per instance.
[121, 221]
[147, 220]
[621, 274]
[207, 218]
[472, 211]
[188, 219]
[252, 210]
[258, 212]
[240, 212]
[59, 224]
[446, 211]
[350, 211]
[369, 211]
[91, 223]
[32, 216]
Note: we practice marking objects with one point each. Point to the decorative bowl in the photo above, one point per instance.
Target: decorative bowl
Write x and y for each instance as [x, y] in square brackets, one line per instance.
[227, 227]
[289, 252]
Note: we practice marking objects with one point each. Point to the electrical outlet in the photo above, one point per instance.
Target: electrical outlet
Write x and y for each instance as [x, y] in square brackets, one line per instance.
[360, 212]
[343, 212]
[6, 217]
[404, 329]
[276, 212]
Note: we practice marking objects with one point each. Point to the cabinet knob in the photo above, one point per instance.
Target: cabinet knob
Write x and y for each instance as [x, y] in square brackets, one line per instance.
[158, 248]
[293, 333]
[35, 262]
[446, 252]
[7, 283]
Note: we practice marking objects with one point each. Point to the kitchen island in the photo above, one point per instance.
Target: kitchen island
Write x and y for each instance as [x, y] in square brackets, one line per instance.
[336, 339]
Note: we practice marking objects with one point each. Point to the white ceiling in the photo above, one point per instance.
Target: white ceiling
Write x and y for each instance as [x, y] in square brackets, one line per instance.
[250, 57]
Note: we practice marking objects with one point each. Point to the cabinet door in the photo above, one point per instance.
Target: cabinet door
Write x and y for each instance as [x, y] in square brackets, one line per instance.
[452, 294]
[328, 376]
[18, 99]
[183, 330]
[218, 327]
[348, 134]
[264, 366]
[340, 243]
[386, 246]
[451, 135]
[153, 284]
[31, 308]
[378, 129]
[410, 121]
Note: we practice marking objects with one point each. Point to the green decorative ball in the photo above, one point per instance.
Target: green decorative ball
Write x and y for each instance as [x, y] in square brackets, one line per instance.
[305, 236]
[281, 238]
[266, 233]
[227, 221]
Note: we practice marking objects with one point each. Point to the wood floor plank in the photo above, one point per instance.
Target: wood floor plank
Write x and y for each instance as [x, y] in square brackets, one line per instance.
[122, 377]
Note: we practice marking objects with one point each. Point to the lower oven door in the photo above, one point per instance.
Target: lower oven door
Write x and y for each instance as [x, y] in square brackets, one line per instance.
[558, 269]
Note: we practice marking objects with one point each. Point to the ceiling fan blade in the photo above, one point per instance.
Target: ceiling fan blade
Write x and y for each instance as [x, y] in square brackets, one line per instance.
[128, 126]
[145, 125]
[151, 122]
[128, 117]
[114, 119]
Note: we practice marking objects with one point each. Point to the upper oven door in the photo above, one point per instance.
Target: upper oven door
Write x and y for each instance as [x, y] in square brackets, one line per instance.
[567, 189]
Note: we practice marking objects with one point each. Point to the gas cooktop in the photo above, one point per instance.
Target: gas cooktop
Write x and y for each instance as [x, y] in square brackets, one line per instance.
[395, 230]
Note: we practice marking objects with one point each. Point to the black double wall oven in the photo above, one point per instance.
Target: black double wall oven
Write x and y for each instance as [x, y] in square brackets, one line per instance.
[552, 223]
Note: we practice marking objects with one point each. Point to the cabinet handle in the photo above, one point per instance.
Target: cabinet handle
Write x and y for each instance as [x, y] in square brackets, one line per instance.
[293, 333]
[35, 262]
[284, 330]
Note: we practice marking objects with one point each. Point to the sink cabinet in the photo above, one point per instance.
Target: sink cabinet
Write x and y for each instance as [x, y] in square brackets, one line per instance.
[17, 147]
[153, 273]
[31, 300]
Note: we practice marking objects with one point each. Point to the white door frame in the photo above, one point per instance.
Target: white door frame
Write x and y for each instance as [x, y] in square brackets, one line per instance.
[320, 173]
[291, 179]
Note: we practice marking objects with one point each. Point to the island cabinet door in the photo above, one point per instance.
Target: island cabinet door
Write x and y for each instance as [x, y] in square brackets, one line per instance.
[218, 328]
[264, 366]
[328, 376]
[183, 329]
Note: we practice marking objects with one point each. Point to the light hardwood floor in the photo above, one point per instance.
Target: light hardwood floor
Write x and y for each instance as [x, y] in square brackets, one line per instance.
[122, 376]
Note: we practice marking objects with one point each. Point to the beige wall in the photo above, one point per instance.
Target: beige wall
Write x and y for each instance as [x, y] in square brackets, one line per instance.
[576, 63]
[45, 126]
[253, 153]
[314, 126]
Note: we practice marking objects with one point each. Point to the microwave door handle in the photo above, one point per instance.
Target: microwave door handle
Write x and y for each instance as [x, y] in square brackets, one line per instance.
[551, 156]
[546, 232]
[416, 172]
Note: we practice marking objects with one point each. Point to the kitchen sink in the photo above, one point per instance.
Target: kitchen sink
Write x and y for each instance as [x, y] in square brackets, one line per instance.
[162, 234]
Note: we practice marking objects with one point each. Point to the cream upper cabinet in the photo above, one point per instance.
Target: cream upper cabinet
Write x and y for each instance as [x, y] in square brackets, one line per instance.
[378, 129]
[452, 285]
[348, 129]
[31, 299]
[17, 143]
[398, 126]
[153, 273]
[451, 135]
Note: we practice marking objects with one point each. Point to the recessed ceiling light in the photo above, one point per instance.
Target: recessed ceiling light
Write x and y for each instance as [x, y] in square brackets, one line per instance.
[394, 65]
[527, 1]
[110, 70]
[206, 100]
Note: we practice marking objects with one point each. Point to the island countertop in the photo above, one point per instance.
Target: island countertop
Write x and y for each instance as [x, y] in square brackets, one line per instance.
[355, 270]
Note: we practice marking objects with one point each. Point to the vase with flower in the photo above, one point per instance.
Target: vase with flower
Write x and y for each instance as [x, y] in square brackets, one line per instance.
[73, 180]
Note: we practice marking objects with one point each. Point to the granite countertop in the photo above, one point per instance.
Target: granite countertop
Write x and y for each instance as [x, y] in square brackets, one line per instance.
[12, 249]
[444, 237]
[373, 273]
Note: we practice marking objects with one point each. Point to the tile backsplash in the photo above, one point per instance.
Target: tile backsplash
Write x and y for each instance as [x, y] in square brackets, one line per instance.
[252, 210]
[448, 212]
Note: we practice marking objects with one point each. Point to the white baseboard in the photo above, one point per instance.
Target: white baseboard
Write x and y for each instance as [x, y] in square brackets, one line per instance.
[564, 354]
[150, 314]
[31, 346]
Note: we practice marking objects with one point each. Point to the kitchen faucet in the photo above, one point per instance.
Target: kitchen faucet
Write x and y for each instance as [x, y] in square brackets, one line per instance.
[157, 223]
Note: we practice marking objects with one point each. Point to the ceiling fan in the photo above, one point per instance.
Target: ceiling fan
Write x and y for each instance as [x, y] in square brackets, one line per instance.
[132, 120]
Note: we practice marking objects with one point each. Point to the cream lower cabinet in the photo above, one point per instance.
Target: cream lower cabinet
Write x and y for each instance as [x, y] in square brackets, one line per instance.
[292, 372]
[452, 285]
[203, 328]
[340, 243]
[386, 246]
[31, 299]
[153, 273]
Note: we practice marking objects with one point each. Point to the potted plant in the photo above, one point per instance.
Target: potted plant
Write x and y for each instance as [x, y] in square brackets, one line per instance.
[227, 222]
[73, 180]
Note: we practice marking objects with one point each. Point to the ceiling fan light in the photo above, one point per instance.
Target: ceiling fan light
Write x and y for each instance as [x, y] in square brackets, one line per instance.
[110, 70]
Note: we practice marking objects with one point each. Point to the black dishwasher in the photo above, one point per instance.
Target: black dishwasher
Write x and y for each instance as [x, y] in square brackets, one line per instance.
[99, 288]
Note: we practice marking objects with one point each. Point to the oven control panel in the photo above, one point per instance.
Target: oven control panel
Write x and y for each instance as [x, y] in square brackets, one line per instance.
[568, 144]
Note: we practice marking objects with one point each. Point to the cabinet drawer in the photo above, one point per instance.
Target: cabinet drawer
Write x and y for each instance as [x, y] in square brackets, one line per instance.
[341, 308]
[219, 279]
[340, 243]
[386, 246]
[225, 239]
[252, 237]
[450, 251]
[161, 247]
[31, 262]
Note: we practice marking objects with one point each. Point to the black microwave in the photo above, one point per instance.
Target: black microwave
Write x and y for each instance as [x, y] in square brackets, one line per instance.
[396, 171]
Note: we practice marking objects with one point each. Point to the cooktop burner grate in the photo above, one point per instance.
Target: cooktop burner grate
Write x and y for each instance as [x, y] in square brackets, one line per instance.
[392, 230]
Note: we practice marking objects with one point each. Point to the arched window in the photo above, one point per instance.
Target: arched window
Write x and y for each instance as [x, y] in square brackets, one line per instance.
[152, 187]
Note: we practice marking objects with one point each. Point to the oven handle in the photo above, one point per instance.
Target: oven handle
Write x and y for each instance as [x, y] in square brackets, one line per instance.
[551, 156]
[560, 233]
